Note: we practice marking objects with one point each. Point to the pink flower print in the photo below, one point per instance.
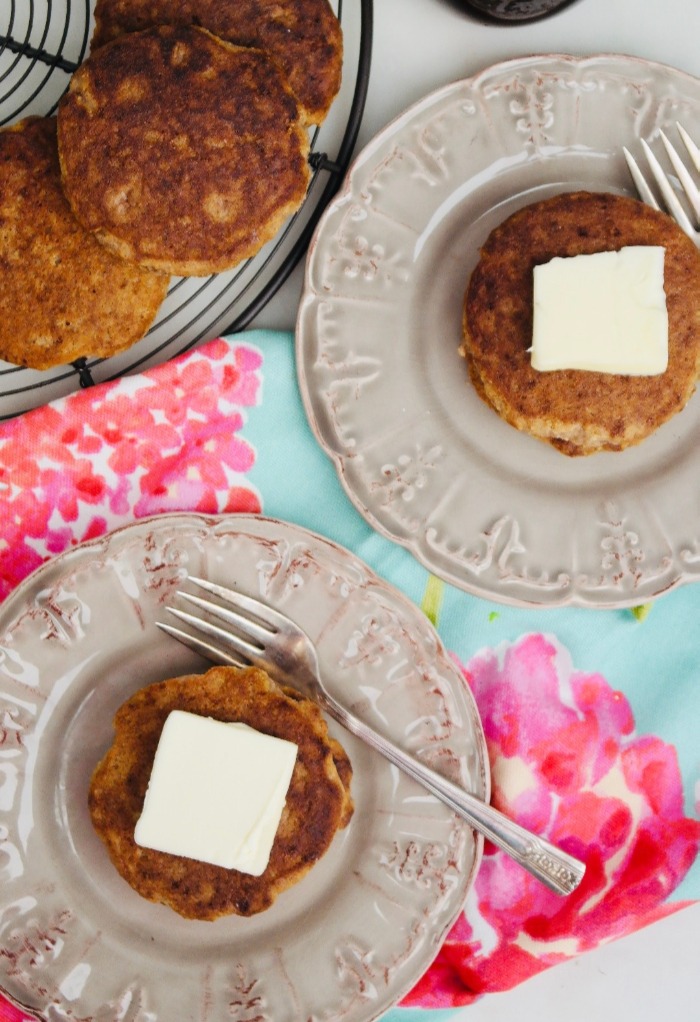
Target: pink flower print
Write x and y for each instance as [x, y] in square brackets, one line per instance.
[197, 473]
[170, 439]
[566, 763]
[8, 1013]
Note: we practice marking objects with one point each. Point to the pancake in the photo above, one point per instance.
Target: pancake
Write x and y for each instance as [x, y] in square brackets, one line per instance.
[303, 36]
[181, 152]
[318, 800]
[62, 295]
[578, 412]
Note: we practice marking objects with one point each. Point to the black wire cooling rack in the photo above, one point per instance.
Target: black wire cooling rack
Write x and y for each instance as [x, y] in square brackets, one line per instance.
[42, 42]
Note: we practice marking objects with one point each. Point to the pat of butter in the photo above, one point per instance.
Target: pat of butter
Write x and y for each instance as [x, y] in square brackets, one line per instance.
[604, 312]
[216, 792]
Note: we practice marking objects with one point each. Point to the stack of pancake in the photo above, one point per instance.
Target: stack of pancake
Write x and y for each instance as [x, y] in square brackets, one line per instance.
[183, 146]
[578, 412]
[302, 36]
[318, 801]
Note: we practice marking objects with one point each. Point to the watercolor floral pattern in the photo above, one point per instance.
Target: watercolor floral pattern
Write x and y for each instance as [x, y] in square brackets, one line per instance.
[73, 470]
[8, 1013]
[566, 762]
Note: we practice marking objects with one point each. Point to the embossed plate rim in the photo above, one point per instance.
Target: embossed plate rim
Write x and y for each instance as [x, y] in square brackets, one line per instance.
[128, 576]
[638, 536]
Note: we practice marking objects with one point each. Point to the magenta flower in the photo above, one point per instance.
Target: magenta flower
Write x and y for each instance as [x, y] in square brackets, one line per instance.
[168, 440]
[566, 763]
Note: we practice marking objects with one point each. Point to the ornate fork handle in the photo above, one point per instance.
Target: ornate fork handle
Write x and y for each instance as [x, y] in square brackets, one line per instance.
[559, 871]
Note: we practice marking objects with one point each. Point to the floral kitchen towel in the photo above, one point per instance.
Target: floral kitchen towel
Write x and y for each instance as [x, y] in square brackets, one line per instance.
[591, 717]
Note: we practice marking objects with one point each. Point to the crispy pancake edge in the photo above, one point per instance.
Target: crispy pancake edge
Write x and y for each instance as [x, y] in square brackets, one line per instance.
[303, 36]
[318, 802]
[63, 297]
[181, 187]
[579, 413]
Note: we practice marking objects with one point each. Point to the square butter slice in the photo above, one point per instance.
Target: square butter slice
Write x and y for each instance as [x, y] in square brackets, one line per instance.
[604, 312]
[216, 792]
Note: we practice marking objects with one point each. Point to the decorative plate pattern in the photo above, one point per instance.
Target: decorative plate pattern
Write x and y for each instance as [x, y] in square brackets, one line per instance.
[76, 639]
[428, 464]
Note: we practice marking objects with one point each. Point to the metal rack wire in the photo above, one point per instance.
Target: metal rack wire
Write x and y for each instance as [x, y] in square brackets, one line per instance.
[42, 42]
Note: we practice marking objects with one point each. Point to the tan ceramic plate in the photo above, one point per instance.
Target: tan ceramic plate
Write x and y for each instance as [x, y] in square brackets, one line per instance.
[489, 509]
[76, 639]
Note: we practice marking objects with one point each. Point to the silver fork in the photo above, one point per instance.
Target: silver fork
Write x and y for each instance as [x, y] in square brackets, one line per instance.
[268, 639]
[669, 193]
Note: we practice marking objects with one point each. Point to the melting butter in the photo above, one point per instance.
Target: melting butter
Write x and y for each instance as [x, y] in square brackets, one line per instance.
[216, 792]
[604, 312]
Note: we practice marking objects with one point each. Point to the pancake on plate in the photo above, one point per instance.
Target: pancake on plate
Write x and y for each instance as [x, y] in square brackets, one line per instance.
[578, 412]
[303, 36]
[62, 295]
[181, 152]
[318, 800]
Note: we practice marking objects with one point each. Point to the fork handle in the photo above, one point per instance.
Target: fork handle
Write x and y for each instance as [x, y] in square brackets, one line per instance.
[558, 870]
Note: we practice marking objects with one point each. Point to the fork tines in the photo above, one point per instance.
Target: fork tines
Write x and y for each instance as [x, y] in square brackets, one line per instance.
[229, 644]
[669, 194]
[216, 652]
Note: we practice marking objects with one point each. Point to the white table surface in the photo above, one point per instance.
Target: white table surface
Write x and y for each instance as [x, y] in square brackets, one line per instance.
[420, 45]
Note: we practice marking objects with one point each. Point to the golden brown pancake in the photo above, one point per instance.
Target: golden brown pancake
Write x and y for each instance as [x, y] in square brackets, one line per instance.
[318, 800]
[303, 36]
[62, 295]
[181, 152]
[578, 412]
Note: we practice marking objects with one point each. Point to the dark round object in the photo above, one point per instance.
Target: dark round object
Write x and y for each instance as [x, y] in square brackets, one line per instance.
[517, 10]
